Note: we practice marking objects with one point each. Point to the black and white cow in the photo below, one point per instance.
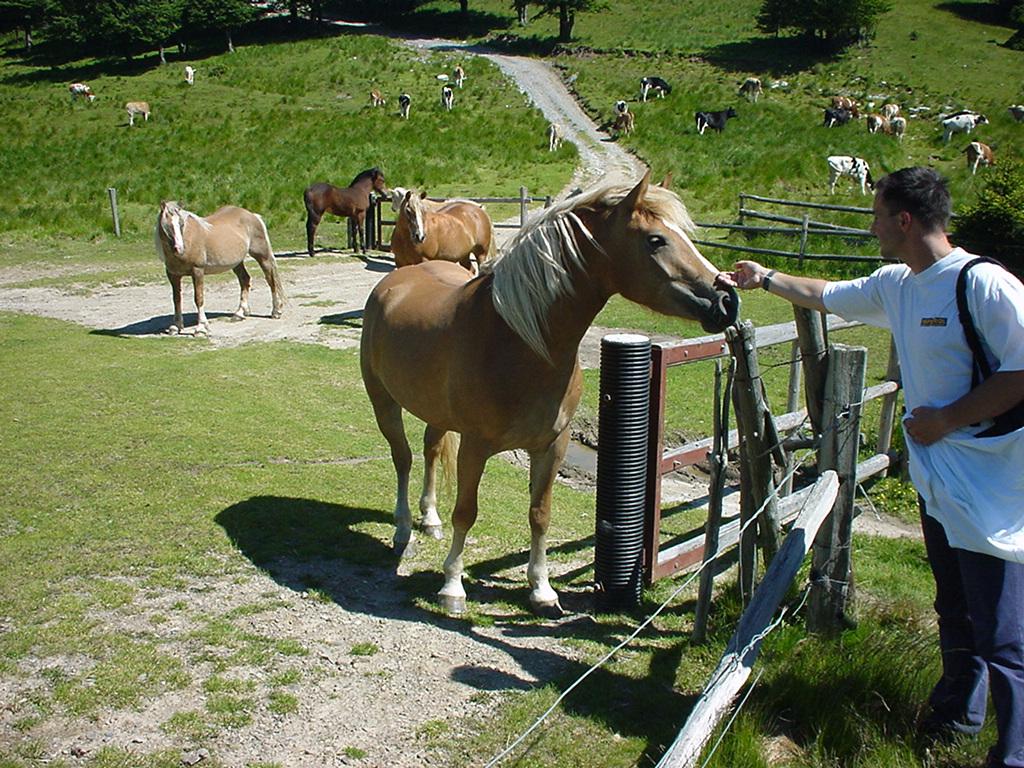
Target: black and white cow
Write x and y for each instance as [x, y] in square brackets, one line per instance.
[1017, 112]
[656, 84]
[715, 120]
[404, 102]
[447, 97]
[854, 167]
[751, 89]
[962, 122]
[837, 116]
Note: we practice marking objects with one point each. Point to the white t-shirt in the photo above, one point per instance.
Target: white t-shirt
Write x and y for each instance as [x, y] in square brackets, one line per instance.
[973, 486]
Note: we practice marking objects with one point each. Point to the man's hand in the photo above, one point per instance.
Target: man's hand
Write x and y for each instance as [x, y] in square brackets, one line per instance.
[927, 425]
[746, 275]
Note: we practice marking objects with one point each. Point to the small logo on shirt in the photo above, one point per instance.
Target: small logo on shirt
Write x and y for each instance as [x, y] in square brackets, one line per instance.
[927, 322]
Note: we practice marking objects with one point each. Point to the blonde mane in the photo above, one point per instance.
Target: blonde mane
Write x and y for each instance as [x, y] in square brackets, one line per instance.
[536, 269]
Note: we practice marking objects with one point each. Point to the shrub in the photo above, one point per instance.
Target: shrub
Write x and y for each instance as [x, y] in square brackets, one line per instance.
[994, 225]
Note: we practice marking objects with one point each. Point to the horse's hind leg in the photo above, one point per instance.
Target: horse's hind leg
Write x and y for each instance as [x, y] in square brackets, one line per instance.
[389, 421]
[179, 323]
[360, 219]
[472, 459]
[244, 283]
[435, 442]
[543, 468]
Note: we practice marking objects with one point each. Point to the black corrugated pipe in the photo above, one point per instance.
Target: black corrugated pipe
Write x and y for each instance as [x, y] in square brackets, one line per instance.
[621, 469]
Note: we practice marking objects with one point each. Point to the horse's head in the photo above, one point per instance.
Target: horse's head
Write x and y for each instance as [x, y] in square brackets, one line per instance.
[411, 209]
[170, 225]
[648, 257]
[379, 185]
[397, 196]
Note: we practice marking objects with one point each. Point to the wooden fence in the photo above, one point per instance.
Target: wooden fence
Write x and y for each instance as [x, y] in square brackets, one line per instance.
[379, 212]
[764, 440]
[801, 227]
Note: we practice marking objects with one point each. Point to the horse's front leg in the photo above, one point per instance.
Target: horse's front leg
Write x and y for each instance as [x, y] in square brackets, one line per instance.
[202, 324]
[244, 283]
[360, 219]
[179, 322]
[472, 458]
[436, 443]
[543, 469]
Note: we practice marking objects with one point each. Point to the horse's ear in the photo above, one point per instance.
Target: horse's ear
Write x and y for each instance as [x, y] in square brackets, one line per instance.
[667, 181]
[632, 201]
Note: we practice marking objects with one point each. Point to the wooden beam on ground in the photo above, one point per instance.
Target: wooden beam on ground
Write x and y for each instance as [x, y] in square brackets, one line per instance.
[741, 653]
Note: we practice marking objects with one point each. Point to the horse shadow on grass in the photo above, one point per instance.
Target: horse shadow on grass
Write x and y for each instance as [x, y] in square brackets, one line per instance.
[309, 545]
[158, 325]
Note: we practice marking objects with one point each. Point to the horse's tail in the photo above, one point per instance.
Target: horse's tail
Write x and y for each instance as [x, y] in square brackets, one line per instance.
[492, 246]
[449, 451]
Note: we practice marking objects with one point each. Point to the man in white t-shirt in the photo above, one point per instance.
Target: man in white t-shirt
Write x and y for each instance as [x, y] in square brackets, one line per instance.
[971, 489]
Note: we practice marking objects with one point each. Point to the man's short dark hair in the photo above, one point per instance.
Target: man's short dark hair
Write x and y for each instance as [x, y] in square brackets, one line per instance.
[919, 191]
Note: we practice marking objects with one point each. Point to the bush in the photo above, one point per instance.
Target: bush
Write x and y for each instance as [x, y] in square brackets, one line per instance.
[994, 225]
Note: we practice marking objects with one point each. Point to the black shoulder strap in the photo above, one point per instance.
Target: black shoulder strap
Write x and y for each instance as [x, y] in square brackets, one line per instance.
[981, 370]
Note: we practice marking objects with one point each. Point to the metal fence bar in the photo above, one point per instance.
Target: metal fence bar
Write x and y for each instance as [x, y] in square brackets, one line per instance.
[804, 204]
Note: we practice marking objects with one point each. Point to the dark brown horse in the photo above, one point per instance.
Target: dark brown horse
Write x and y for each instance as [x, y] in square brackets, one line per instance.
[351, 201]
[495, 358]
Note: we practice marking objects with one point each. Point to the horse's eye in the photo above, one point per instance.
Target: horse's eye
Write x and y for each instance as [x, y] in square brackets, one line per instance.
[654, 242]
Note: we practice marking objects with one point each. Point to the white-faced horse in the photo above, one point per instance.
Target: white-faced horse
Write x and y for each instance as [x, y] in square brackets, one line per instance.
[454, 230]
[190, 245]
[495, 358]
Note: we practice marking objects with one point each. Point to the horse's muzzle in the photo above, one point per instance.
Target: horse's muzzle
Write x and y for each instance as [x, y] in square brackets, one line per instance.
[724, 311]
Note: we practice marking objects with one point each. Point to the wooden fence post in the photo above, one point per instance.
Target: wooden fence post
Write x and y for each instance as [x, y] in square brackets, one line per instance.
[831, 602]
[888, 416]
[741, 653]
[523, 200]
[112, 194]
[803, 240]
[757, 446]
[792, 401]
[810, 329]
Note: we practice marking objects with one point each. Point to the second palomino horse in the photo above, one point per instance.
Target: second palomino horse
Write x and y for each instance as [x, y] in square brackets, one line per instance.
[190, 245]
[351, 201]
[495, 358]
[451, 231]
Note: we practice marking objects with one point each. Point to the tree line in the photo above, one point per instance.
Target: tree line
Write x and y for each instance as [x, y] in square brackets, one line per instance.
[130, 27]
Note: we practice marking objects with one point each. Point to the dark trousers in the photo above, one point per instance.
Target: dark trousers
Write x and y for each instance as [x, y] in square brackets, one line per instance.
[979, 600]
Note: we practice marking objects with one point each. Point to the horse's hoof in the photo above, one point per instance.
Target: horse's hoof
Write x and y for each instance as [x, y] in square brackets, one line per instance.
[237, 317]
[454, 605]
[404, 548]
[434, 531]
[548, 610]
[173, 330]
[275, 315]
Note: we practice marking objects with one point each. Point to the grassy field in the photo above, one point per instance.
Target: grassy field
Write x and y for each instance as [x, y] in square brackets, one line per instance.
[118, 492]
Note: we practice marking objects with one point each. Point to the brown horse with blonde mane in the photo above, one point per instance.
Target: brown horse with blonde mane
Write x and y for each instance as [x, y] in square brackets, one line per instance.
[351, 201]
[455, 231]
[495, 357]
[195, 246]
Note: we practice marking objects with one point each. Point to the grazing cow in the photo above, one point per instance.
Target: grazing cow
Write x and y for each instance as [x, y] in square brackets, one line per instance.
[978, 154]
[624, 123]
[377, 98]
[854, 167]
[554, 137]
[190, 75]
[656, 84]
[837, 116]
[889, 111]
[715, 120]
[137, 108]
[963, 122]
[845, 102]
[460, 75]
[404, 101]
[877, 123]
[81, 90]
[751, 89]
[1017, 112]
[447, 97]
[898, 127]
